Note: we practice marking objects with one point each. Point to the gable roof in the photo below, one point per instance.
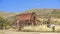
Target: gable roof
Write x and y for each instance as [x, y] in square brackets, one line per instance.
[25, 16]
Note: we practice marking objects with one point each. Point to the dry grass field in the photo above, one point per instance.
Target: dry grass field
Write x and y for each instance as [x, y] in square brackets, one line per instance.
[41, 28]
[1, 32]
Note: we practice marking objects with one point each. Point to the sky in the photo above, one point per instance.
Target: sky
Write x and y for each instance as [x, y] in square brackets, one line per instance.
[23, 5]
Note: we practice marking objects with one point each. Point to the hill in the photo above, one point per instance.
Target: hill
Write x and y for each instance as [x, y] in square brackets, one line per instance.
[41, 13]
[45, 12]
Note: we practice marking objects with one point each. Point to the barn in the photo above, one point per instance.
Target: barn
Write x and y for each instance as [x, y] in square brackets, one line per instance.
[26, 19]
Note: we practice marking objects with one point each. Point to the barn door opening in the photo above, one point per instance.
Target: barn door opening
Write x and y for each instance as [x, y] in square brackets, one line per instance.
[27, 22]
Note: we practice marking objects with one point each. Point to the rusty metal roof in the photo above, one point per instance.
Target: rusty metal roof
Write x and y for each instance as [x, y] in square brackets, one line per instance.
[25, 16]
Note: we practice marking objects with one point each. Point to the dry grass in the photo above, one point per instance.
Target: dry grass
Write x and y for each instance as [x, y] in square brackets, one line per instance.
[2, 32]
[40, 28]
[57, 28]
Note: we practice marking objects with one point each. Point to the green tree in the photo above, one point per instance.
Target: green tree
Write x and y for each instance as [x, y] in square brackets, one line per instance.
[1, 23]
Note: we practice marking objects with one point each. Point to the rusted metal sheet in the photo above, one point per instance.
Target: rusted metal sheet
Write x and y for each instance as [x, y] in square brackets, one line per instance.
[24, 17]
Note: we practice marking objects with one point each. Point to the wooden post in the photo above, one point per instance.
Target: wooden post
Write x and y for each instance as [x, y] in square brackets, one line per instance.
[53, 28]
[18, 25]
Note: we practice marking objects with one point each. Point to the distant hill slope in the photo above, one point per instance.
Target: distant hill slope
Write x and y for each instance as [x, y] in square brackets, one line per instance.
[6, 14]
[45, 12]
[40, 12]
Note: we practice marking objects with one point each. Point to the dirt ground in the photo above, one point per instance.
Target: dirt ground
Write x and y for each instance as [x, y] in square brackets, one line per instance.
[18, 32]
